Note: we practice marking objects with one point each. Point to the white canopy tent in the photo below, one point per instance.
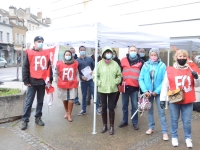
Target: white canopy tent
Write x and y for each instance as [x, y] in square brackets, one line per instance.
[99, 35]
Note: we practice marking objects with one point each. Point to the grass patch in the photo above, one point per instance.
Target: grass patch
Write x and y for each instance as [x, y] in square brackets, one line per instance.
[8, 91]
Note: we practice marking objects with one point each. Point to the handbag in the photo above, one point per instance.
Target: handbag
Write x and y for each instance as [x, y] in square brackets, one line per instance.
[177, 95]
[121, 88]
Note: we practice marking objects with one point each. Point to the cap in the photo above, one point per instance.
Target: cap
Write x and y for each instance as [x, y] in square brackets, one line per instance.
[38, 38]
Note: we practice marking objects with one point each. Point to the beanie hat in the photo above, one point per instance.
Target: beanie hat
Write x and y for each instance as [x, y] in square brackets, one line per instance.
[155, 50]
[38, 38]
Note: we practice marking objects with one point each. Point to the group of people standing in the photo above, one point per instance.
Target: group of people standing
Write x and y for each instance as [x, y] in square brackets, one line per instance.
[151, 77]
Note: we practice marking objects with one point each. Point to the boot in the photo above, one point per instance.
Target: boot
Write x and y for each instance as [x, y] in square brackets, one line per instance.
[112, 119]
[65, 103]
[104, 119]
[70, 107]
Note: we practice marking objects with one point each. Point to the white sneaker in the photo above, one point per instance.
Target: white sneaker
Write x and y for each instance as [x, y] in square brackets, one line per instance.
[188, 142]
[174, 142]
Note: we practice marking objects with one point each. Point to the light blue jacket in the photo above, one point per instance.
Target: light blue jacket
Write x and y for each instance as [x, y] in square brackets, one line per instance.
[145, 80]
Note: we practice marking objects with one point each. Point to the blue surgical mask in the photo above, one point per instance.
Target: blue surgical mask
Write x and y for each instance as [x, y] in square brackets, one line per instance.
[68, 57]
[82, 53]
[73, 55]
[132, 54]
[142, 54]
[108, 56]
[39, 45]
[113, 56]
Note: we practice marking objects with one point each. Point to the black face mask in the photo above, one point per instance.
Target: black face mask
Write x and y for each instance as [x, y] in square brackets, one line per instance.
[182, 62]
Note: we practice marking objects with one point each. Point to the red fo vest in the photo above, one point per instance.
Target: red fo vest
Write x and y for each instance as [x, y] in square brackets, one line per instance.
[38, 61]
[130, 74]
[67, 78]
[175, 77]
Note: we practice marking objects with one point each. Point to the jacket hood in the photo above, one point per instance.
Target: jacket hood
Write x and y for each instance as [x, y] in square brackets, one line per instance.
[106, 48]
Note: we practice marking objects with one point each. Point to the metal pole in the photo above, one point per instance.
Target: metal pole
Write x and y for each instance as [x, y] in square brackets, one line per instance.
[22, 55]
[95, 79]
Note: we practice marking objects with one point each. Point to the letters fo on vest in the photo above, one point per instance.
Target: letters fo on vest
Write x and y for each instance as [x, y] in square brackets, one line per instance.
[40, 63]
[182, 80]
[68, 74]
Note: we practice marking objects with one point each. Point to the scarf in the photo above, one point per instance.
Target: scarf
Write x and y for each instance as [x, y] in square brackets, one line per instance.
[177, 66]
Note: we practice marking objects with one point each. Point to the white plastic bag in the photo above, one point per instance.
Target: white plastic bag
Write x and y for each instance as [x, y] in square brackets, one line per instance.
[49, 99]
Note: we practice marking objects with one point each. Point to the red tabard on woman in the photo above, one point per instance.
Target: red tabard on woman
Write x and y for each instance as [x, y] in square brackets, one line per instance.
[176, 79]
[130, 74]
[67, 78]
[38, 61]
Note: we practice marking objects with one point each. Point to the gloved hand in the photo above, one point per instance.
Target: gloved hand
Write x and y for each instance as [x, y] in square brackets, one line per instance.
[195, 74]
[162, 104]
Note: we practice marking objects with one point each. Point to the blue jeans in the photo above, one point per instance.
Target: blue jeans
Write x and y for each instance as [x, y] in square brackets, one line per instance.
[125, 102]
[161, 112]
[84, 87]
[88, 97]
[186, 117]
[76, 98]
[30, 95]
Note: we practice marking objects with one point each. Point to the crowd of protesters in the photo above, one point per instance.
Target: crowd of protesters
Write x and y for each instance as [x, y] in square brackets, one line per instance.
[150, 77]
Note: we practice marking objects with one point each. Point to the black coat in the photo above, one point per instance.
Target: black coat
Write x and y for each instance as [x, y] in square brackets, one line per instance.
[27, 79]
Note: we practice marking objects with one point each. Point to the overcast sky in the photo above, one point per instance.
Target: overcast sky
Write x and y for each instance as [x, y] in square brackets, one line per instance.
[35, 5]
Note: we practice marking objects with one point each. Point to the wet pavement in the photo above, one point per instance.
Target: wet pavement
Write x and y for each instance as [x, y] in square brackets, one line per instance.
[60, 134]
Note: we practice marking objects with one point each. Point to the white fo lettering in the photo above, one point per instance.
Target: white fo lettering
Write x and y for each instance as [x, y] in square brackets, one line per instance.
[40, 63]
[68, 74]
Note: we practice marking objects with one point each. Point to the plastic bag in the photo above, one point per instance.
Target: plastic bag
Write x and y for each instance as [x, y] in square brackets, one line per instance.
[49, 98]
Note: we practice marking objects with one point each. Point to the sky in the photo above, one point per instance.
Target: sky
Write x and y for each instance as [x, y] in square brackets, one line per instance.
[35, 6]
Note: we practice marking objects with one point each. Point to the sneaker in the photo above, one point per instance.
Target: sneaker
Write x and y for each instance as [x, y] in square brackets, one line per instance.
[135, 126]
[123, 125]
[165, 137]
[98, 112]
[174, 142]
[24, 125]
[188, 142]
[81, 113]
[77, 103]
[39, 121]
[149, 131]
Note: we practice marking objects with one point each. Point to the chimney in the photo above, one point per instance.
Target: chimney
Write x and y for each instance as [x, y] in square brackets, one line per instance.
[48, 21]
[28, 13]
[12, 11]
[39, 15]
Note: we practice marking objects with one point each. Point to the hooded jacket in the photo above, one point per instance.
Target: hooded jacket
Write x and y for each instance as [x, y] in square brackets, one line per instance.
[145, 81]
[108, 76]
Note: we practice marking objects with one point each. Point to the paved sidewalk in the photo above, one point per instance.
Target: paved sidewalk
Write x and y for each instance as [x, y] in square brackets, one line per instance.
[59, 134]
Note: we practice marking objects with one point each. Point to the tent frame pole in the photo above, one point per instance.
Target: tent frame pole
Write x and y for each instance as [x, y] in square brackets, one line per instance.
[95, 79]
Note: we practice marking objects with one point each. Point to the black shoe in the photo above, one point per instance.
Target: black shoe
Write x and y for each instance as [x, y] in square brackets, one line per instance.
[24, 125]
[123, 125]
[135, 126]
[77, 103]
[39, 121]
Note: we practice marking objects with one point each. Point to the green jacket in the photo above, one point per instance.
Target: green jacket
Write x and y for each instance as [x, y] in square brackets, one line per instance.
[108, 76]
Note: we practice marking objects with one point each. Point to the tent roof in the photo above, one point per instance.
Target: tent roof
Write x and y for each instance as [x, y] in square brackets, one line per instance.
[108, 34]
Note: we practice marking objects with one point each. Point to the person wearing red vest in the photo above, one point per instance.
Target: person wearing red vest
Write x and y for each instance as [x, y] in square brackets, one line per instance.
[131, 66]
[34, 69]
[182, 76]
[67, 82]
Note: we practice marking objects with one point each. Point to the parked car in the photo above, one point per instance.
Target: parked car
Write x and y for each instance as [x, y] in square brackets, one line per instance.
[3, 63]
[197, 59]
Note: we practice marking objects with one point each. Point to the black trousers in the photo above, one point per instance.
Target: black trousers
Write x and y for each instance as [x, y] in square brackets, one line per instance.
[108, 101]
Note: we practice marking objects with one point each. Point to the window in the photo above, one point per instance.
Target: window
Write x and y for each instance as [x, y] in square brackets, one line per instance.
[29, 27]
[8, 37]
[1, 36]
[17, 38]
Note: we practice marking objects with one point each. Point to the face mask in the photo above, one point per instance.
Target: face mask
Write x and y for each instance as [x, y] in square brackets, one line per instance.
[113, 56]
[108, 56]
[82, 53]
[68, 57]
[142, 54]
[132, 54]
[39, 45]
[182, 62]
[153, 58]
[73, 55]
